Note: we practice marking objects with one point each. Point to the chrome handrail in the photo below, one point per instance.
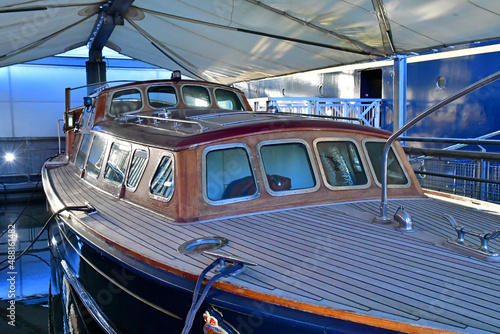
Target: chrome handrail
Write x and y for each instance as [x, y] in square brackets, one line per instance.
[469, 89]
[163, 119]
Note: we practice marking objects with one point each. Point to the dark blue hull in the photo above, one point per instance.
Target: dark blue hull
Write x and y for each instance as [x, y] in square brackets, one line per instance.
[127, 295]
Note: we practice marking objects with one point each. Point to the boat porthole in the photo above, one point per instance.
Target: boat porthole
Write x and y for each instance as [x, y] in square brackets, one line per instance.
[441, 82]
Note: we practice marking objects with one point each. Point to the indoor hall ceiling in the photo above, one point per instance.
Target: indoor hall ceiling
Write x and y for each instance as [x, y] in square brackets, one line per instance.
[235, 40]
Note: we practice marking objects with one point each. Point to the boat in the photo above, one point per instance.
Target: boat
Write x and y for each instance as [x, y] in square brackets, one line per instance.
[180, 210]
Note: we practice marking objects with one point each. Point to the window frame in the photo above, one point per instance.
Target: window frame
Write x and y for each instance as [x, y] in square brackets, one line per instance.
[253, 169]
[361, 156]
[372, 169]
[164, 85]
[84, 162]
[136, 148]
[210, 97]
[231, 91]
[111, 182]
[104, 156]
[108, 112]
[311, 161]
[160, 158]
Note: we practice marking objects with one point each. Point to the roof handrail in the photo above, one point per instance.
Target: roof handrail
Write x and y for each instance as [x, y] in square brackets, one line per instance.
[159, 119]
[102, 83]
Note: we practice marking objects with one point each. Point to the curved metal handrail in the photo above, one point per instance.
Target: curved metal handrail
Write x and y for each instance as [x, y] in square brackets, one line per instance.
[162, 119]
[469, 89]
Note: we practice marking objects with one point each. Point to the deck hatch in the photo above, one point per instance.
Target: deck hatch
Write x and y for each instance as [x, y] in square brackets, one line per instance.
[203, 244]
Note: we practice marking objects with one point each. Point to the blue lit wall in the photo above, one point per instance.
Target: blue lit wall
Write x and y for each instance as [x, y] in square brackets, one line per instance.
[469, 117]
[32, 95]
[32, 102]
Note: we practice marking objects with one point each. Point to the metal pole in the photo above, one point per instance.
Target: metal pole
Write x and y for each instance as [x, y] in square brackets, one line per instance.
[469, 89]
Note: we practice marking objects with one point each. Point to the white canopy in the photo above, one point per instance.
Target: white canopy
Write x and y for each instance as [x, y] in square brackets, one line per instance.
[236, 40]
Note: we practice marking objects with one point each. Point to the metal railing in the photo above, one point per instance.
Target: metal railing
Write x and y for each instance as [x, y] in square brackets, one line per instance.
[29, 155]
[467, 90]
[466, 173]
[366, 110]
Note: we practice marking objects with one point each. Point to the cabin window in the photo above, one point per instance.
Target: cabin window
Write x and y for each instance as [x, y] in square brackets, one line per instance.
[341, 164]
[287, 166]
[162, 96]
[82, 152]
[96, 155]
[162, 184]
[395, 173]
[125, 101]
[74, 147]
[196, 96]
[91, 116]
[227, 99]
[228, 175]
[117, 163]
[86, 114]
[139, 161]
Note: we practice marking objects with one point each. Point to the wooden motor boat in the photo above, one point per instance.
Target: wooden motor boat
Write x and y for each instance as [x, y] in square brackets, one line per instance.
[182, 211]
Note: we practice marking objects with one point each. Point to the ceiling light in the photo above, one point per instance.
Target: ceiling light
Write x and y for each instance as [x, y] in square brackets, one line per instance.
[9, 157]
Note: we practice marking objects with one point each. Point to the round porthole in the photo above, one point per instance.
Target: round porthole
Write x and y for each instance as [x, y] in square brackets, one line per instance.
[321, 90]
[441, 83]
[203, 244]
[283, 92]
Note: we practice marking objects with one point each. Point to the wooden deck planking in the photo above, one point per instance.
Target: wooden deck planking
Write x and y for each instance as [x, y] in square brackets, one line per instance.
[342, 269]
[399, 268]
[385, 285]
[429, 217]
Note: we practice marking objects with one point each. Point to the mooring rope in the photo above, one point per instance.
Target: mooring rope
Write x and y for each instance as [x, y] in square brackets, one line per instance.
[197, 301]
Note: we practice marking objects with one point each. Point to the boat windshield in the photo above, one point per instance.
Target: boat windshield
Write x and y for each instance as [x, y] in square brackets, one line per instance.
[227, 99]
[125, 101]
[196, 96]
[162, 96]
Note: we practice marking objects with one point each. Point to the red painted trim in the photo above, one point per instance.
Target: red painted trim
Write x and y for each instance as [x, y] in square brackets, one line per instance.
[176, 141]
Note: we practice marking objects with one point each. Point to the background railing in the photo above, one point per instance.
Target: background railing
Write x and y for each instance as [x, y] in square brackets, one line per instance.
[474, 174]
[29, 156]
[366, 110]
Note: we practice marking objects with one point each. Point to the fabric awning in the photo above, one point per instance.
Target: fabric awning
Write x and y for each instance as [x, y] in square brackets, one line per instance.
[236, 40]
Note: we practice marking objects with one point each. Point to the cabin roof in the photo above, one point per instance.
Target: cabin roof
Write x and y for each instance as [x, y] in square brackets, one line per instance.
[179, 130]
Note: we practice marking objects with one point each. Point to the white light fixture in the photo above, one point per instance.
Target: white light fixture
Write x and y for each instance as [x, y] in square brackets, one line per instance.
[9, 157]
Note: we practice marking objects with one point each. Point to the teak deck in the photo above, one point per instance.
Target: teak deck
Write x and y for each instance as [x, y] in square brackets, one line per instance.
[330, 259]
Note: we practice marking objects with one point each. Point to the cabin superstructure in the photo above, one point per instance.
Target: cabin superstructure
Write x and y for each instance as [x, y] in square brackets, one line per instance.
[157, 145]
